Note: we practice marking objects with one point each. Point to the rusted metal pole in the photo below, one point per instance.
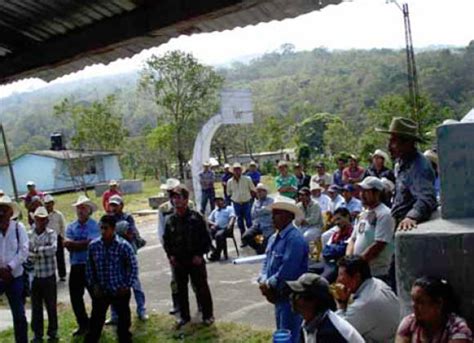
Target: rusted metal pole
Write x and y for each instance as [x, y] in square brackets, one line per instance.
[9, 162]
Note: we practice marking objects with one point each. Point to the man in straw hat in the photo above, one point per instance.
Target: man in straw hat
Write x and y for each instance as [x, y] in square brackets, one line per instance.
[78, 236]
[113, 190]
[415, 197]
[379, 168]
[286, 260]
[208, 193]
[13, 253]
[43, 247]
[241, 190]
[311, 297]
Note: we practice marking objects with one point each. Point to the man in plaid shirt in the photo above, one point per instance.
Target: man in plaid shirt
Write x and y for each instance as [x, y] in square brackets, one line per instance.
[42, 254]
[111, 270]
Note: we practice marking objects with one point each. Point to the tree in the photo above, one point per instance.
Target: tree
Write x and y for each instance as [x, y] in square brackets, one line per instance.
[186, 93]
[311, 130]
[339, 137]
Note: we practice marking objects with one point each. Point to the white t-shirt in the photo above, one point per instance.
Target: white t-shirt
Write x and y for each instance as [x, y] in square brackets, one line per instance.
[323, 201]
[375, 225]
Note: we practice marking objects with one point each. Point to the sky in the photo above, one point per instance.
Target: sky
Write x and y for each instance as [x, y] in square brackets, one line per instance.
[359, 24]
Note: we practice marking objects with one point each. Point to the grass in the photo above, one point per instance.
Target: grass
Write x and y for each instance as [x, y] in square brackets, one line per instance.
[159, 328]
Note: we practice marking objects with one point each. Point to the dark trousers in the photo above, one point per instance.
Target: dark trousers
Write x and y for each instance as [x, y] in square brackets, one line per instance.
[60, 258]
[219, 235]
[99, 310]
[243, 213]
[207, 195]
[77, 287]
[198, 274]
[249, 239]
[14, 293]
[43, 290]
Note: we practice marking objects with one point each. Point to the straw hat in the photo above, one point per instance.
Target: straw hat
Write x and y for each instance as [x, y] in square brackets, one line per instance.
[41, 212]
[113, 183]
[381, 153]
[6, 200]
[286, 204]
[83, 200]
[170, 184]
[431, 156]
[262, 186]
[48, 198]
[372, 182]
[404, 127]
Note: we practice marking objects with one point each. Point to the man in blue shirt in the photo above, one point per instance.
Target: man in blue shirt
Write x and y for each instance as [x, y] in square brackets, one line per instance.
[337, 176]
[78, 236]
[353, 204]
[111, 271]
[206, 179]
[286, 260]
[253, 173]
[221, 219]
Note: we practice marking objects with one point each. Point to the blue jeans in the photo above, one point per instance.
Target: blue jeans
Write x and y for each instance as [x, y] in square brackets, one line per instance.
[287, 319]
[243, 212]
[14, 292]
[207, 195]
[139, 300]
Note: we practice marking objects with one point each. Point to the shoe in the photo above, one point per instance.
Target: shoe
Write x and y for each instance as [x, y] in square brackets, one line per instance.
[79, 332]
[62, 279]
[180, 323]
[143, 317]
[173, 311]
[111, 321]
[208, 321]
[213, 258]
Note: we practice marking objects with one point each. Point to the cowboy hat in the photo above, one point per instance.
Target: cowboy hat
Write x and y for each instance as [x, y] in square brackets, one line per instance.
[48, 198]
[113, 183]
[170, 184]
[83, 200]
[404, 127]
[6, 200]
[431, 156]
[381, 153]
[286, 204]
[316, 187]
[41, 212]
[372, 182]
[262, 186]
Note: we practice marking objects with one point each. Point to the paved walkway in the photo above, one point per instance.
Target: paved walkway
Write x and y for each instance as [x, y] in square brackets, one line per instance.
[234, 289]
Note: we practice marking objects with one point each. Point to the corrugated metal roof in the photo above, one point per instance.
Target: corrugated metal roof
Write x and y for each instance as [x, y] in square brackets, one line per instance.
[71, 154]
[30, 24]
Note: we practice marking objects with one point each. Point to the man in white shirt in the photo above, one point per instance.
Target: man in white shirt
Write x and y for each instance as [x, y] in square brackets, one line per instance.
[57, 222]
[372, 237]
[13, 253]
[336, 199]
[322, 199]
[220, 220]
[366, 302]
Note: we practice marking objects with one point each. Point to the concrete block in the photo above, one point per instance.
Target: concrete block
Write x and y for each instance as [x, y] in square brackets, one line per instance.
[440, 248]
[456, 159]
[125, 186]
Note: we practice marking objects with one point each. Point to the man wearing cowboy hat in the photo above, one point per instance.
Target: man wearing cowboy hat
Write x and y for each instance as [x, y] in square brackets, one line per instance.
[226, 177]
[262, 223]
[311, 224]
[322, 199]
[286, 260]
[321, 177]
[415, 197]
[241, 190]
[113, 190]
[253, 173]
[206, 179]
[78, 236]
[57, 222]
[13, 253]
[378, 168]
[43, 247]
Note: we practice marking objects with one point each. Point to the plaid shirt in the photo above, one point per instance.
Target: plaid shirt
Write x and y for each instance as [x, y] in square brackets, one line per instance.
[111, 267]
[43, 253]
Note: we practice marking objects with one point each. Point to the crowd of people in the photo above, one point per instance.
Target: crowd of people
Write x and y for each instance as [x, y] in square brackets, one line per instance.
[327, 241]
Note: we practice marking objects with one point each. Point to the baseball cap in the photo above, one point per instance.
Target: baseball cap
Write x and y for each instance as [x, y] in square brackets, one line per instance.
[349, 188]
[310, 283]
[116, 199]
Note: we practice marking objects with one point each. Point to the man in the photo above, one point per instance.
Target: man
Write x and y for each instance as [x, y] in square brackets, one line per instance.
[111, 271]
[42, 253]
[226, 177]
[373, 235]
[253, 173]
[353, 204]
[337, 177]
[321, 177]
[374, 309]
[286, 260]
[241, 189]
[312, 222]
[2, 193]
[262, 223]
[310, 296]
[378, 168]
[415, 197]
[13, 253]
[336, 199]
[57, 222]
[78, 236]
[353, 174]
[206, 179]
[322, 199]
[113, 190]
[286, 183]
[334, 243]
[132, 236]
[301, 177]
[35, 202]
[28, 197]
[186, 240]
[221, 219]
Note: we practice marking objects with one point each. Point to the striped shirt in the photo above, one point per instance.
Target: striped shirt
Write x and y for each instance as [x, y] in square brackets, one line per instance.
[42, 254]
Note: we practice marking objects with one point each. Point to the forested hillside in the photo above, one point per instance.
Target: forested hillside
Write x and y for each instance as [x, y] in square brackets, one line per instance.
[326, 101]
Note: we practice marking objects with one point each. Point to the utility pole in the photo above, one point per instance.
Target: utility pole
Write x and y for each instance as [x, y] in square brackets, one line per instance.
[9, 162]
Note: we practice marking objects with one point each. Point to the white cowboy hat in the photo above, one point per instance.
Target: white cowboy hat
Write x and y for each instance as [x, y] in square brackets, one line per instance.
[315, 187]
[262, 186]
[48, 198]
[113, 183]
[41, 212]
[381, 153]
[6, 200]
[83, 200]
[431, 156]
[372, 182]
[286, 204]
[170, 184]
[388, 185]
[30, 183]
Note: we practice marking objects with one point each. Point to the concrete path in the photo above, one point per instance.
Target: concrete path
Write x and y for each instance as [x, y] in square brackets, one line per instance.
[234, 289]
